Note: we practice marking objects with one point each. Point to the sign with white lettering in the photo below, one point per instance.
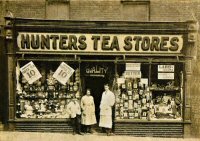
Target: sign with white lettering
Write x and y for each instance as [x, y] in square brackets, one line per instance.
[132, 74]
[30, 72]
[98, 43]
[165, 68]
[63, 73]
[166, 76]
[133, 66]
[96, 70]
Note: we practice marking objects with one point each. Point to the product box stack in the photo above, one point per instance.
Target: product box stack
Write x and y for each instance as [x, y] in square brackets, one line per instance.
[133, 100]
[133, 95]
[137, 98]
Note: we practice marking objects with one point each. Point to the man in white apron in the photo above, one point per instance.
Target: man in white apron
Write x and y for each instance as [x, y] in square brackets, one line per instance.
[107, 102]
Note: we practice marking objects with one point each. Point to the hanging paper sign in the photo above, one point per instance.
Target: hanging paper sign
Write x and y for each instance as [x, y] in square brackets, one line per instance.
[133, 66]
[63, 73]
[165, 68]
[30, 72]
[132, 74]
[166, 76]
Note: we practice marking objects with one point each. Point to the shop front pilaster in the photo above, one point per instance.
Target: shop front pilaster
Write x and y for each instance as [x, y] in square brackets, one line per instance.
[10, 51]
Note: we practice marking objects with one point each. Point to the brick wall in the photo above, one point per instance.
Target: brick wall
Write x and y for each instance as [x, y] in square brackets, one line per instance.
[195, 95]
[95, 10]
[174, 10]
[160, 10]
[169, 10]
[108, 10]
[23, 8]
[2, 12]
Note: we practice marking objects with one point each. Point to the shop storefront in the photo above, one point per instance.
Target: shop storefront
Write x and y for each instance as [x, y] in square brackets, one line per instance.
[147, 65]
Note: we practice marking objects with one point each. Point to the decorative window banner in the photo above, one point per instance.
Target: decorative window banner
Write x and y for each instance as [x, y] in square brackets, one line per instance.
[30, 72]
[166, 76]
[132, 74]
[63, 73]
[133, 66]
[165, 68]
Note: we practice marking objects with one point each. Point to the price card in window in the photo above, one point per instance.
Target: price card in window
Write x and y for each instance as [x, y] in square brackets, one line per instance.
[133, 66]
[165, 68]
[166, 76]
[30, 72]
[63, 73]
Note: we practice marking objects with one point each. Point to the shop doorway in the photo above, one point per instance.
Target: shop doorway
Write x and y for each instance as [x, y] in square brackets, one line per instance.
[96, 84]
[94, 76]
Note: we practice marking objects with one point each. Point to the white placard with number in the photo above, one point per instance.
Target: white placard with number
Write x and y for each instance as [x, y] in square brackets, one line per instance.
[63, 73]
[30, 72]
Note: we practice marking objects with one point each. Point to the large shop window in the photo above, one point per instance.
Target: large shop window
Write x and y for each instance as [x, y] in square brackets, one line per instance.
[149, 91]
[45, 97]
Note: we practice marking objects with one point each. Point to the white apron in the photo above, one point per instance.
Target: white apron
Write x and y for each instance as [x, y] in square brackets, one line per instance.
[107, 101]
[88, 115]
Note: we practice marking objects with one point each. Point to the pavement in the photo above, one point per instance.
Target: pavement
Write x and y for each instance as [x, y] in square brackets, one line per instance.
[40, 136]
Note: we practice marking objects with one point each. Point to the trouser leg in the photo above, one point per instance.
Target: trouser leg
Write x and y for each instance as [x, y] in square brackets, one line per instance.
[103, 130]
[73, 122]
[78, 123]
[108, 131]
[85, 128]
[90, 129]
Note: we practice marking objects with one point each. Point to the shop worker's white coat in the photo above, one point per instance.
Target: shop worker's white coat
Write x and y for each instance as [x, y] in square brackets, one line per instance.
[73, 109]
[107, 101]
[88, 114]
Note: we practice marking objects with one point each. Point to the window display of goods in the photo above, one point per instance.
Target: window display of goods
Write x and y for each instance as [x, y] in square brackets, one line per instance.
[46, 97]
[135, 100]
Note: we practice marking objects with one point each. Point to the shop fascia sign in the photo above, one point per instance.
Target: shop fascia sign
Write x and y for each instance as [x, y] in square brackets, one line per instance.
[98, 43]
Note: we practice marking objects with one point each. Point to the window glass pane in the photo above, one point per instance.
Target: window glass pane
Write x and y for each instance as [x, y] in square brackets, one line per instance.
[46, 97]
[150, 91]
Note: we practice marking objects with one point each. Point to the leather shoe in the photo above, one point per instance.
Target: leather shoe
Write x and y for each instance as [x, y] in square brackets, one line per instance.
[80, 133]
[108, 134]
